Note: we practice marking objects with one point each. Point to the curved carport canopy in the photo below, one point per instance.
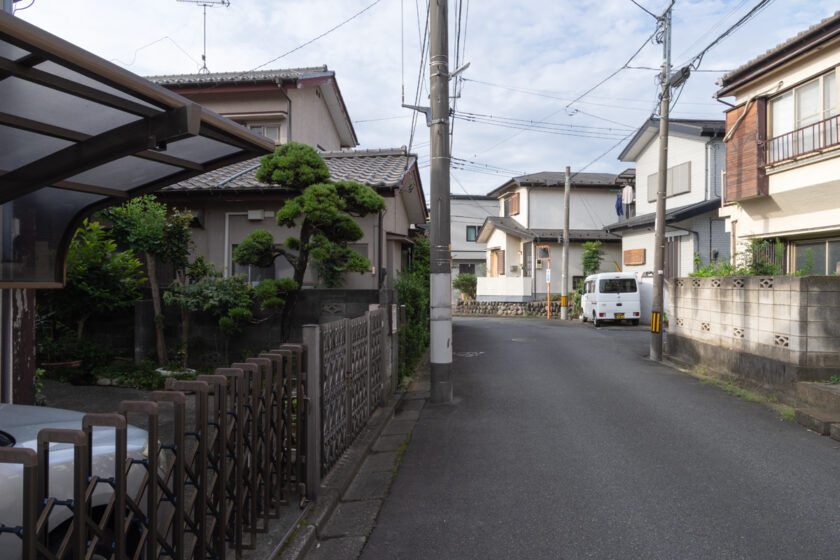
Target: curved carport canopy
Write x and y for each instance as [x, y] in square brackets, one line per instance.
[78, 133]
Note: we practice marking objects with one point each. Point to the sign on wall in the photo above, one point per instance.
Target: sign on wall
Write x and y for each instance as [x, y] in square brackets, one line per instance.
[633, 257]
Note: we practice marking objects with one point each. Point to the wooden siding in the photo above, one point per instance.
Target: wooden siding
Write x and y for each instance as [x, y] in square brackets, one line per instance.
[745, 177]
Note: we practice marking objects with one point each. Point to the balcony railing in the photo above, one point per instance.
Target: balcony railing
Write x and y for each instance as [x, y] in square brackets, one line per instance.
[805, 140]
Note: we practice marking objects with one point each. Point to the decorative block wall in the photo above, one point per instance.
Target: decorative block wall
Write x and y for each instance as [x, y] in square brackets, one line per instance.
[789, 325]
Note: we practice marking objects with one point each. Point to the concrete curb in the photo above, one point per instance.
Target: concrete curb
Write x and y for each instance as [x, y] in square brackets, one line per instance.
[335, 484]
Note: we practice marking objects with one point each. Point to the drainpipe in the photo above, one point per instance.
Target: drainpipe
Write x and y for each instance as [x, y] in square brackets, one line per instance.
[227, 267]
[380, 278]
[289, 99]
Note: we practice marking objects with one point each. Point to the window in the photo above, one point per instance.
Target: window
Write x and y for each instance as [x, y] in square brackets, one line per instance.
[817, 257]
[527, 252]
[466, 268]
[618, 286]
[801, 120]
[268, 130]
[472, 233]
[511, 205]
[677, 181]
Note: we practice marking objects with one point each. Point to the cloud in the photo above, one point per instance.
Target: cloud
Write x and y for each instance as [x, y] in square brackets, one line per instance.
[559, 47]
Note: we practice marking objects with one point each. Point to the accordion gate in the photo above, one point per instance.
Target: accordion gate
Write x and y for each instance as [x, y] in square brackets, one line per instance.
[219, 482]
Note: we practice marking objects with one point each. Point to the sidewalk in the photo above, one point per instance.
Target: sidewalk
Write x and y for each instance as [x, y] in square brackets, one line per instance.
[354, 491]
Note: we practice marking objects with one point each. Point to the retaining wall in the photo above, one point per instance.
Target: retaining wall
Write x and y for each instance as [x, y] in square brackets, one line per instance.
[507, 308]
[775, 330]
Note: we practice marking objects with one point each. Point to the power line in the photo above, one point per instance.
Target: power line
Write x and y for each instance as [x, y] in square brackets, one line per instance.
[538, 128]
[324, 34]
[530, 121]
[646, 10]
[623, 66]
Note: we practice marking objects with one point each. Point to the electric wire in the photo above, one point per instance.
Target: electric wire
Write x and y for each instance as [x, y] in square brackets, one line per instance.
[137, 50]
[530, 121]
[646, 10]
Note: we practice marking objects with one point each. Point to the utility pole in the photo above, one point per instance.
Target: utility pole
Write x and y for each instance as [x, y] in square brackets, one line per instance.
[441, 267]
[7, 6]
[564, 280]
[662, 178]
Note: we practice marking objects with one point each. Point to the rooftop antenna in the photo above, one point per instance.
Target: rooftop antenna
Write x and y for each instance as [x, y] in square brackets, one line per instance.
[206, 4]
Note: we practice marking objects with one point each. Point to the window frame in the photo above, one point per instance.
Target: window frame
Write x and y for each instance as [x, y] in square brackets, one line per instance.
[475, 230]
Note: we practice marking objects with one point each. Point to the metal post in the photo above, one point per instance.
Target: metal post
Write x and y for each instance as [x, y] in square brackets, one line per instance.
[7, 6]
[659, 240]
[312, 341]
[564, 281]
[441, 272]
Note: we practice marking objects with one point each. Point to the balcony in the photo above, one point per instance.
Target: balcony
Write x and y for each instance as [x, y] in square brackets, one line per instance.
[804, 141]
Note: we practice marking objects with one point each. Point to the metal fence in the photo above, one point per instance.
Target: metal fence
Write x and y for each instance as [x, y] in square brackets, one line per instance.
[352, 359]
[211, 487]
[245, 440]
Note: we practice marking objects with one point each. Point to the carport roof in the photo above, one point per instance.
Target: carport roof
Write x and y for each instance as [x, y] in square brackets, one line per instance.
[78, 133]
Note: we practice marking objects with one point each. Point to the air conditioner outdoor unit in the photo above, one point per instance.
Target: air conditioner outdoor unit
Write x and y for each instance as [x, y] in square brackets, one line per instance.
[514, 268]
[539, 265]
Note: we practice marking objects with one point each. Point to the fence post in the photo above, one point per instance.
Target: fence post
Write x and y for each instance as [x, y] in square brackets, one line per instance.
[348, 377]
[312, 342]
[369, 321]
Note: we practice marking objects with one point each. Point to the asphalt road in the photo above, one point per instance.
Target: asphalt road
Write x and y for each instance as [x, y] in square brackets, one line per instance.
[564, 441]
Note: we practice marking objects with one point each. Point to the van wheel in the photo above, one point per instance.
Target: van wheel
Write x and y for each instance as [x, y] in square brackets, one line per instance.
[634, 322]
[582, 317]
[595, 320]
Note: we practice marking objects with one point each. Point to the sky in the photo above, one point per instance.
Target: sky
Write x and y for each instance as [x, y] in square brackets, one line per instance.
[529, 60]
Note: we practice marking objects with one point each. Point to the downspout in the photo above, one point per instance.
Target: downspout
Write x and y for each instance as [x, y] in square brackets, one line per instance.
[289, 99]
[379, 275]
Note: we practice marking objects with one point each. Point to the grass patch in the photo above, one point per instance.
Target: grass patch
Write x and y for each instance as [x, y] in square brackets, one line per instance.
[400, 452]
[787, 413]
[784, 411]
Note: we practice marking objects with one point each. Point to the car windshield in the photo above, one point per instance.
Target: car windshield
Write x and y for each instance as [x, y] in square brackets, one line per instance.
[618, 286]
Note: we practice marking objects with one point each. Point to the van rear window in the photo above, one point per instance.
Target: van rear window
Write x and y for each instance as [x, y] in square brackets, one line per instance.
[618, 286]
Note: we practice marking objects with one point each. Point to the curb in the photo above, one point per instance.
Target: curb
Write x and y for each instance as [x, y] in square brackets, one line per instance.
[336, 483]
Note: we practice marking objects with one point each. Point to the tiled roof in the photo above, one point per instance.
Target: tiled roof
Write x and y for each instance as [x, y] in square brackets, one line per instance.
[374, 168]
[558, 178]
[815, 32]
[673, 215]
[510, 225]
[238, 77]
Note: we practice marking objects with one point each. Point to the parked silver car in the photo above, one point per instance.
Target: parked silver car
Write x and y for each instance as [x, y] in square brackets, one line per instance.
[19, 427]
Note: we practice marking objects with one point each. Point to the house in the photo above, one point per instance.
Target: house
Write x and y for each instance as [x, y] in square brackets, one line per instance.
[783, 149]
[296, 104]
[693, 229]
[229, 204]
[467, 213]
[528, 230]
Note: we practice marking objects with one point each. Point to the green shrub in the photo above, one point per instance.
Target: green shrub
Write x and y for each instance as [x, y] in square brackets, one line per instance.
[466, 283]
[413, 291]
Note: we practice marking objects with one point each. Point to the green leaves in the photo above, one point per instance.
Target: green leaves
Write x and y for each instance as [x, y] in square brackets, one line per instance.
[592, 256]
[257, 249]
[293, 165]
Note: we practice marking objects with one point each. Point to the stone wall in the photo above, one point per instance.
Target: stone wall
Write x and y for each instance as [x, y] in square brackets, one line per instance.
[506, 308]
[774, 330]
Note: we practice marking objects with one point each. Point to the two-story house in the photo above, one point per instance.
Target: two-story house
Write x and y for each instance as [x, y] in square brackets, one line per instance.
[528, 230]
[696, 161]
[467, 213]
[783, 149]
[295, 104]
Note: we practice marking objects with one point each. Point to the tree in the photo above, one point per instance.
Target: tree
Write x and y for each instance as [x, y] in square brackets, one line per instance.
[323, 212]
[144, 225]
[466, 283]
[592, 257]
[99, 278]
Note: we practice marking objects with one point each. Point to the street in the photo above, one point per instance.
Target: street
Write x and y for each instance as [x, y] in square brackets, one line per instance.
[565, 441]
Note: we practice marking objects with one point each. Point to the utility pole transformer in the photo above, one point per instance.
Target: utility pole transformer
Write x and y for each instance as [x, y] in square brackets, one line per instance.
[564, 281]
[441, 267]
[662, 185]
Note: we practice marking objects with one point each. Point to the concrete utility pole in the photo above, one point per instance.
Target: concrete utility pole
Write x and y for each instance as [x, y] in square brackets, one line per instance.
[662, 185]
[7, 6]
[441, 271]
[564, 280]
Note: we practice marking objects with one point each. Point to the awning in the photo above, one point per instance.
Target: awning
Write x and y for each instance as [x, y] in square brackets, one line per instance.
[78, 133]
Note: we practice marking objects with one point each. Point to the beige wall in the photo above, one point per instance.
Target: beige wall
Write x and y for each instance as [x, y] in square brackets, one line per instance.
[226, 224]
[311, 121]
[588, 208]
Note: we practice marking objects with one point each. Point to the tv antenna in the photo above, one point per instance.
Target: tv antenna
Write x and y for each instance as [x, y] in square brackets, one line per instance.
[206, 4]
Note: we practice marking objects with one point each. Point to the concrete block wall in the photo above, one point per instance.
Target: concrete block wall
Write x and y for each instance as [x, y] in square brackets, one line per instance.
[794, 321]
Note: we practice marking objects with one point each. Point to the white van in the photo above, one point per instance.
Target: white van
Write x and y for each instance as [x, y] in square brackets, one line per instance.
[610, 296]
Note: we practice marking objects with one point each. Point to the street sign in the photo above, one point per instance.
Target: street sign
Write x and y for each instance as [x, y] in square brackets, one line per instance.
[548, 276]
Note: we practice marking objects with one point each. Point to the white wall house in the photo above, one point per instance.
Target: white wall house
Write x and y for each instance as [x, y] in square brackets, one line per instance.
[529, 219]
[467, 213]
[696, 161]
[783, 149]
